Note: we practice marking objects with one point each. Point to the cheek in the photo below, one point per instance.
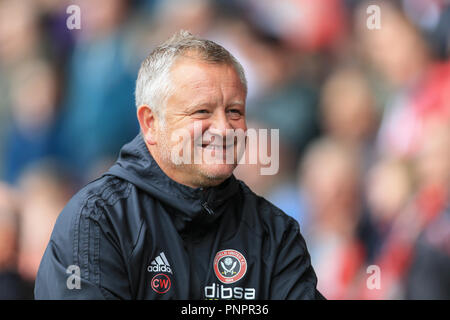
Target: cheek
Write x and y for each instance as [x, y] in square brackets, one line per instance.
[193, 132]
[242, 125]
[184, 135]
[239, 124]
[196, 130]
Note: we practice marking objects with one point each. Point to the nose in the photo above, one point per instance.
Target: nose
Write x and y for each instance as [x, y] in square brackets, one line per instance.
[220, 124]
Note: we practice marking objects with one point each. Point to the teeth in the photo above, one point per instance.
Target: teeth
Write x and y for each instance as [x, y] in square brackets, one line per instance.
[216, 146]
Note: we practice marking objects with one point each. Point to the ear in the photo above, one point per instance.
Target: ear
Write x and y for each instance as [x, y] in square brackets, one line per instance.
[148, 123]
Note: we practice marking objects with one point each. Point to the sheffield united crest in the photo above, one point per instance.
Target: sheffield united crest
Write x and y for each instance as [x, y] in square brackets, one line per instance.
[229, 266]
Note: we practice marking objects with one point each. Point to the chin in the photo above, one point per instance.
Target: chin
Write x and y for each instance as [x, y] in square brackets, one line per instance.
[216, 174]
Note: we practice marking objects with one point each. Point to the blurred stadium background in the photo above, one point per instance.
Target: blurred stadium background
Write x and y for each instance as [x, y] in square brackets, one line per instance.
[364, 119]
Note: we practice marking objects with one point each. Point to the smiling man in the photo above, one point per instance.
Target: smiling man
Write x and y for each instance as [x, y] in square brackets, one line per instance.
[153, 227]
[206, 93]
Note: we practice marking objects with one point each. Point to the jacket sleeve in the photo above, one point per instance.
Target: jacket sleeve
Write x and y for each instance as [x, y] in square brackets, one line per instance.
[82, 259]
[293, 276]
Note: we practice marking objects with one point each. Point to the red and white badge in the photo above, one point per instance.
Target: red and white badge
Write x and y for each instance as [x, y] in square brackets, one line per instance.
[229, 266]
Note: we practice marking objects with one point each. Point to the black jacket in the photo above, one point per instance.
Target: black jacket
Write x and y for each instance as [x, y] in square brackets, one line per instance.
[136, 234]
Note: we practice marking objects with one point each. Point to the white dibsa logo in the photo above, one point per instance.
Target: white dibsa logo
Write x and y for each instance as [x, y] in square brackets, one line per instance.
[160, 264]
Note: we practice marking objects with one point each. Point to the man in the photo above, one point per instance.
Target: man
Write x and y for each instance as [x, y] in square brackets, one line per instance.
[156, 227]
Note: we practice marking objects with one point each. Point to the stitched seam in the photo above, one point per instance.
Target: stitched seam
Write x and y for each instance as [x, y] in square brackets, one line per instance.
[84, 212]
[96, 255]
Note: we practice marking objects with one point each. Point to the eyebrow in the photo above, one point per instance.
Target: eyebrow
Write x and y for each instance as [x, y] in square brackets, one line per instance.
[237, 102]
[207, 104]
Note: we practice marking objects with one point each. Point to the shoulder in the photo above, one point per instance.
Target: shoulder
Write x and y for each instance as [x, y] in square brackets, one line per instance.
[104, 191]
[95, 197]
[89, 235]
[97, 206]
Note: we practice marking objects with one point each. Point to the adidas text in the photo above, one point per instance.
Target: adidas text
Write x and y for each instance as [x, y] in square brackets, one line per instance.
[159, 268]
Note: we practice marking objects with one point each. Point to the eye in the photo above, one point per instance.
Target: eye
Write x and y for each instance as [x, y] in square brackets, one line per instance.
[201, 114]
[235, 113]
[202, 111]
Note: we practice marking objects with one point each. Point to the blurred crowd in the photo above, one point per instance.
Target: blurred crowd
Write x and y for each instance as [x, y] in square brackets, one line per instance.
[363, 114]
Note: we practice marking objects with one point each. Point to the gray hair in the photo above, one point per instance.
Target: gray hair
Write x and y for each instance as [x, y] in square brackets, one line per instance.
[153, 85]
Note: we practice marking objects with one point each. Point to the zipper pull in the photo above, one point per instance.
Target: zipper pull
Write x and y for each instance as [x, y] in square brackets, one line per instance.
[208, 209]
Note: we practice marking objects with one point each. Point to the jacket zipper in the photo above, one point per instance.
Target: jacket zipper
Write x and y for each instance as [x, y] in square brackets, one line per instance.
[208, 209]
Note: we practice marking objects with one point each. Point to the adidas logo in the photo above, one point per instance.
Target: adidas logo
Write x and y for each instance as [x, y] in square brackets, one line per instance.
[159, 264]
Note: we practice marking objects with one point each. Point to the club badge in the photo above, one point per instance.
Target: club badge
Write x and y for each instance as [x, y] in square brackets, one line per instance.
[229, 266]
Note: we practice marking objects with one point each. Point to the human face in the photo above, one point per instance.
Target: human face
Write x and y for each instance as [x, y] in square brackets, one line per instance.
[206, 97]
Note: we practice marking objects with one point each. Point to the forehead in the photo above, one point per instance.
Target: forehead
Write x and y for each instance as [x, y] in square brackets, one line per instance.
[193, 74]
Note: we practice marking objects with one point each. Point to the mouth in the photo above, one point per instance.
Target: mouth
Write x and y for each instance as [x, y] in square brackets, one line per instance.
[213, 153]
[217, 147]
[212, 146]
